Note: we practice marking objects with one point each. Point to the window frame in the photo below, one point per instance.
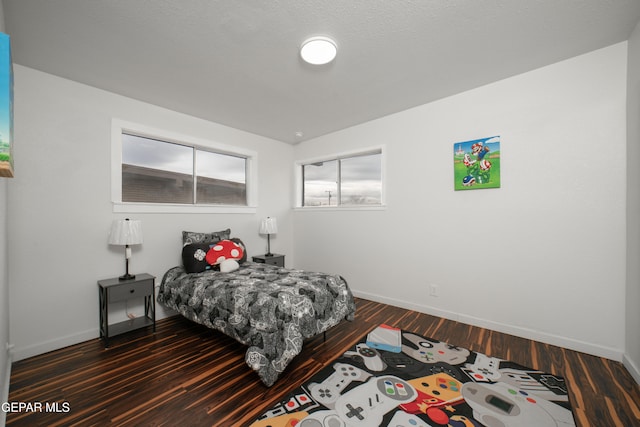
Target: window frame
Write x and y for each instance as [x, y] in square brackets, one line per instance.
[120, 127]
[299, 179]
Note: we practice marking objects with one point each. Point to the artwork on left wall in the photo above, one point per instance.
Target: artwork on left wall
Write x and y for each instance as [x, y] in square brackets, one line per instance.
[476, 163]
[6, 107]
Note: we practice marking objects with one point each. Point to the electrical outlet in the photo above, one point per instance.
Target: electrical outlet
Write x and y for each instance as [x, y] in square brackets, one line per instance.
[433, 290]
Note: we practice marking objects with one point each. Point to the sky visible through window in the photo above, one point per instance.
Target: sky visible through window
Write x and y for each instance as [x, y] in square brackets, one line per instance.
[360, 177]
[155, 154]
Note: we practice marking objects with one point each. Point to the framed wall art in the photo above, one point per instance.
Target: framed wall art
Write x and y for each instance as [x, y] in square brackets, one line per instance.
[6, 107]
[476, 163]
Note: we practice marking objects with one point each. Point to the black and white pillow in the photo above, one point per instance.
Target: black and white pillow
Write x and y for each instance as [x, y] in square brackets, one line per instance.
[189, 237]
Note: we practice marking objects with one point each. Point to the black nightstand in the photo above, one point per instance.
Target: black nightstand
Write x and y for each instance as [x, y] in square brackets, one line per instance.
[114, 290]
[274, 259]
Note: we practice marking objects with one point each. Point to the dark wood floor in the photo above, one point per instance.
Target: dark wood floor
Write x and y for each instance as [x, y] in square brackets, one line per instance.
[188, 375]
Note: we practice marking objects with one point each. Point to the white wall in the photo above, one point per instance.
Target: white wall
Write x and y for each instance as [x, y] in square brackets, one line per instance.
[632, 348]
[543, 256]
[60, 207]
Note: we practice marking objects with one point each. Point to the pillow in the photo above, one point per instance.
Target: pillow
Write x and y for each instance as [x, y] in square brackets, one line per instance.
[224, 250]
[244, 249]
[189, 237]
[194, 257]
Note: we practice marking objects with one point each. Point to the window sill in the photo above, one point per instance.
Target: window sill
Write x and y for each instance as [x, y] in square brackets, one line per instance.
[119, 207]
[340, 208]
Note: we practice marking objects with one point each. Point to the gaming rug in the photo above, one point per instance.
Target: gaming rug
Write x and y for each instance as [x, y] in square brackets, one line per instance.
[397, 378]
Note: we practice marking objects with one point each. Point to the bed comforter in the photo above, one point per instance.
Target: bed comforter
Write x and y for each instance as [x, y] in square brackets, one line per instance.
[268, 308]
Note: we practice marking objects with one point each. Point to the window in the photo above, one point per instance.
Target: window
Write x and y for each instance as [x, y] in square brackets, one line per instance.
[162, 171]
[350, 180]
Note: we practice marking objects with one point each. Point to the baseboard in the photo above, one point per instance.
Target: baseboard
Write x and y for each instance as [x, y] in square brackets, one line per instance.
[20, 353]
[631, 367]
[569, 343]
[5, 389]
[596, 350]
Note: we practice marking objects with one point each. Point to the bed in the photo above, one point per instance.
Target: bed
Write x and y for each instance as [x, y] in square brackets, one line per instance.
[268, 308]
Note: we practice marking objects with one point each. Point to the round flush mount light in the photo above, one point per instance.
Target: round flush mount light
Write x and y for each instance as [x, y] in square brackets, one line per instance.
[318, 50]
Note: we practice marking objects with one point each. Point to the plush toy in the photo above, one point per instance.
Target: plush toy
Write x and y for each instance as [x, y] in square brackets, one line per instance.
[226, 254]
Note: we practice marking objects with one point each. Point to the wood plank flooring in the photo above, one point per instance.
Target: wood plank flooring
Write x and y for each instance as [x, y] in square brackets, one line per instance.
[188, 375]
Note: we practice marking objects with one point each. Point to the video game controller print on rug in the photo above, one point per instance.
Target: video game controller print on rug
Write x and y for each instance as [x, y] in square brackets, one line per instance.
[427, 383]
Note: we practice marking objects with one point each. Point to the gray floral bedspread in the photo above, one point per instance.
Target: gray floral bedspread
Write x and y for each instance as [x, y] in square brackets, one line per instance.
[268, 308]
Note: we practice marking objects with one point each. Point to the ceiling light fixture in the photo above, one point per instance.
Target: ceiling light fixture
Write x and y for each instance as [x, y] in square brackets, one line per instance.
[318, 50]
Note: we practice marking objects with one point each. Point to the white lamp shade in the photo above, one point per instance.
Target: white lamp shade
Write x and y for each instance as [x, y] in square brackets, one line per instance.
[126, 232]
[268, 226]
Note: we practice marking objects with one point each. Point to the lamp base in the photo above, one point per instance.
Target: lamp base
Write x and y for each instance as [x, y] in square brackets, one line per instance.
[127, 277]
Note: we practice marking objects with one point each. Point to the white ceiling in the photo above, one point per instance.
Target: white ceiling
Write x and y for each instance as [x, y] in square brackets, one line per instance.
[236, 62]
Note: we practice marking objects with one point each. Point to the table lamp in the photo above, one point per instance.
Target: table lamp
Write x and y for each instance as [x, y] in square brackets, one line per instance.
[125, 232]
[269, 226]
